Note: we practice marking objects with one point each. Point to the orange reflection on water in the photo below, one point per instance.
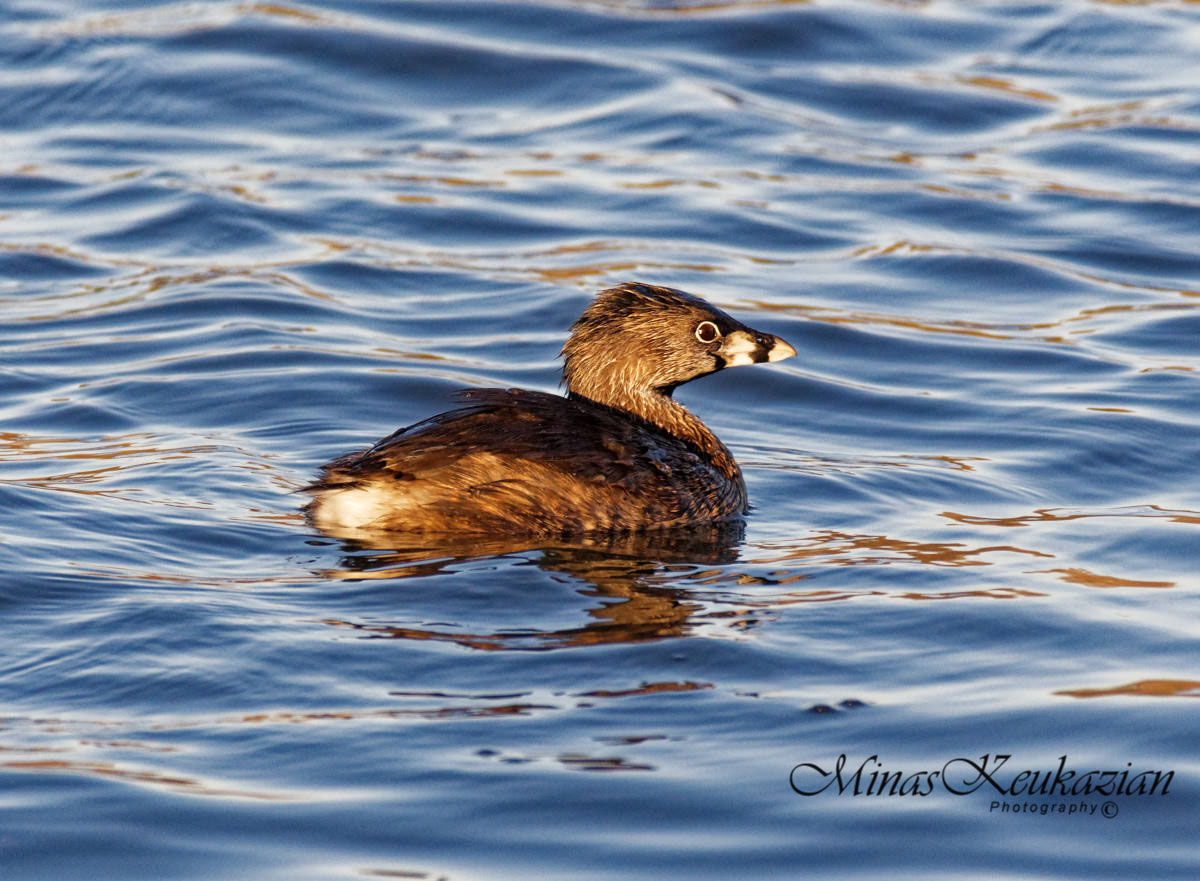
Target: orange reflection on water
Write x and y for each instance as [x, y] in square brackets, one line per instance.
[847, 549]
[649, 586]
[831, 596]
[177, 18]
[179, 784]
[1092, 579]
[997, 593]
[1062, 331]
[634, 577]
[124, 468]
[651, 688]
[1144, 687]
[642, 615]
[1003, 84]
[792, 598]
[585, 274]
[1121, 114]
[118, 453]
[1056, 515]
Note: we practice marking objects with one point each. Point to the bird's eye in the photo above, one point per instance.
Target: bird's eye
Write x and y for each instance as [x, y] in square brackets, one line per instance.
[706, 332]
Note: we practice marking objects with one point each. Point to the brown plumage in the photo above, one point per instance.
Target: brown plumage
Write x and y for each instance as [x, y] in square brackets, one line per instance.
[616, 454]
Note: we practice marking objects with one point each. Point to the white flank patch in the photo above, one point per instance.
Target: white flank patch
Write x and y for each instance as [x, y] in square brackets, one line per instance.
[355, 507]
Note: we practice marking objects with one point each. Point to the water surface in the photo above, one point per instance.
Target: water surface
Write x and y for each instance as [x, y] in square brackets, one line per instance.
[238, 239]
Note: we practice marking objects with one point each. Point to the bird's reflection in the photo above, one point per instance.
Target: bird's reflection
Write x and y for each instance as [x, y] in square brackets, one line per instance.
[634, 569]
[664, 583]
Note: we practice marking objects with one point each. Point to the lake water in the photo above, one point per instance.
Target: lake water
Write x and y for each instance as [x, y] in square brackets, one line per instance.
[238, 239]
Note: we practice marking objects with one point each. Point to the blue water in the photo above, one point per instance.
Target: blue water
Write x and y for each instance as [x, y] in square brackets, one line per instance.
[238, 239]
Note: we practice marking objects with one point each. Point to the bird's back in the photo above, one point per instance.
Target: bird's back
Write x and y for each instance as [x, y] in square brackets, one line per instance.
[512, 461]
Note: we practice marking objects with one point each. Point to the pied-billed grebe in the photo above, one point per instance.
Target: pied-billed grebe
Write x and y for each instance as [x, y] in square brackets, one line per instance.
[616, 454]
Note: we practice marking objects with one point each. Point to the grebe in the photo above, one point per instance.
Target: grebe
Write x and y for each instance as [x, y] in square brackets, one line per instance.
[616, 454]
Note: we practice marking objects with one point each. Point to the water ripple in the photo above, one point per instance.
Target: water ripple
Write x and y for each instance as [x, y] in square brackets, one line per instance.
[239, 238]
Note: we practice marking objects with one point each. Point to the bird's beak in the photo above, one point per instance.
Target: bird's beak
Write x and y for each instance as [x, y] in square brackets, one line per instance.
[780, 350]
[751, 347]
